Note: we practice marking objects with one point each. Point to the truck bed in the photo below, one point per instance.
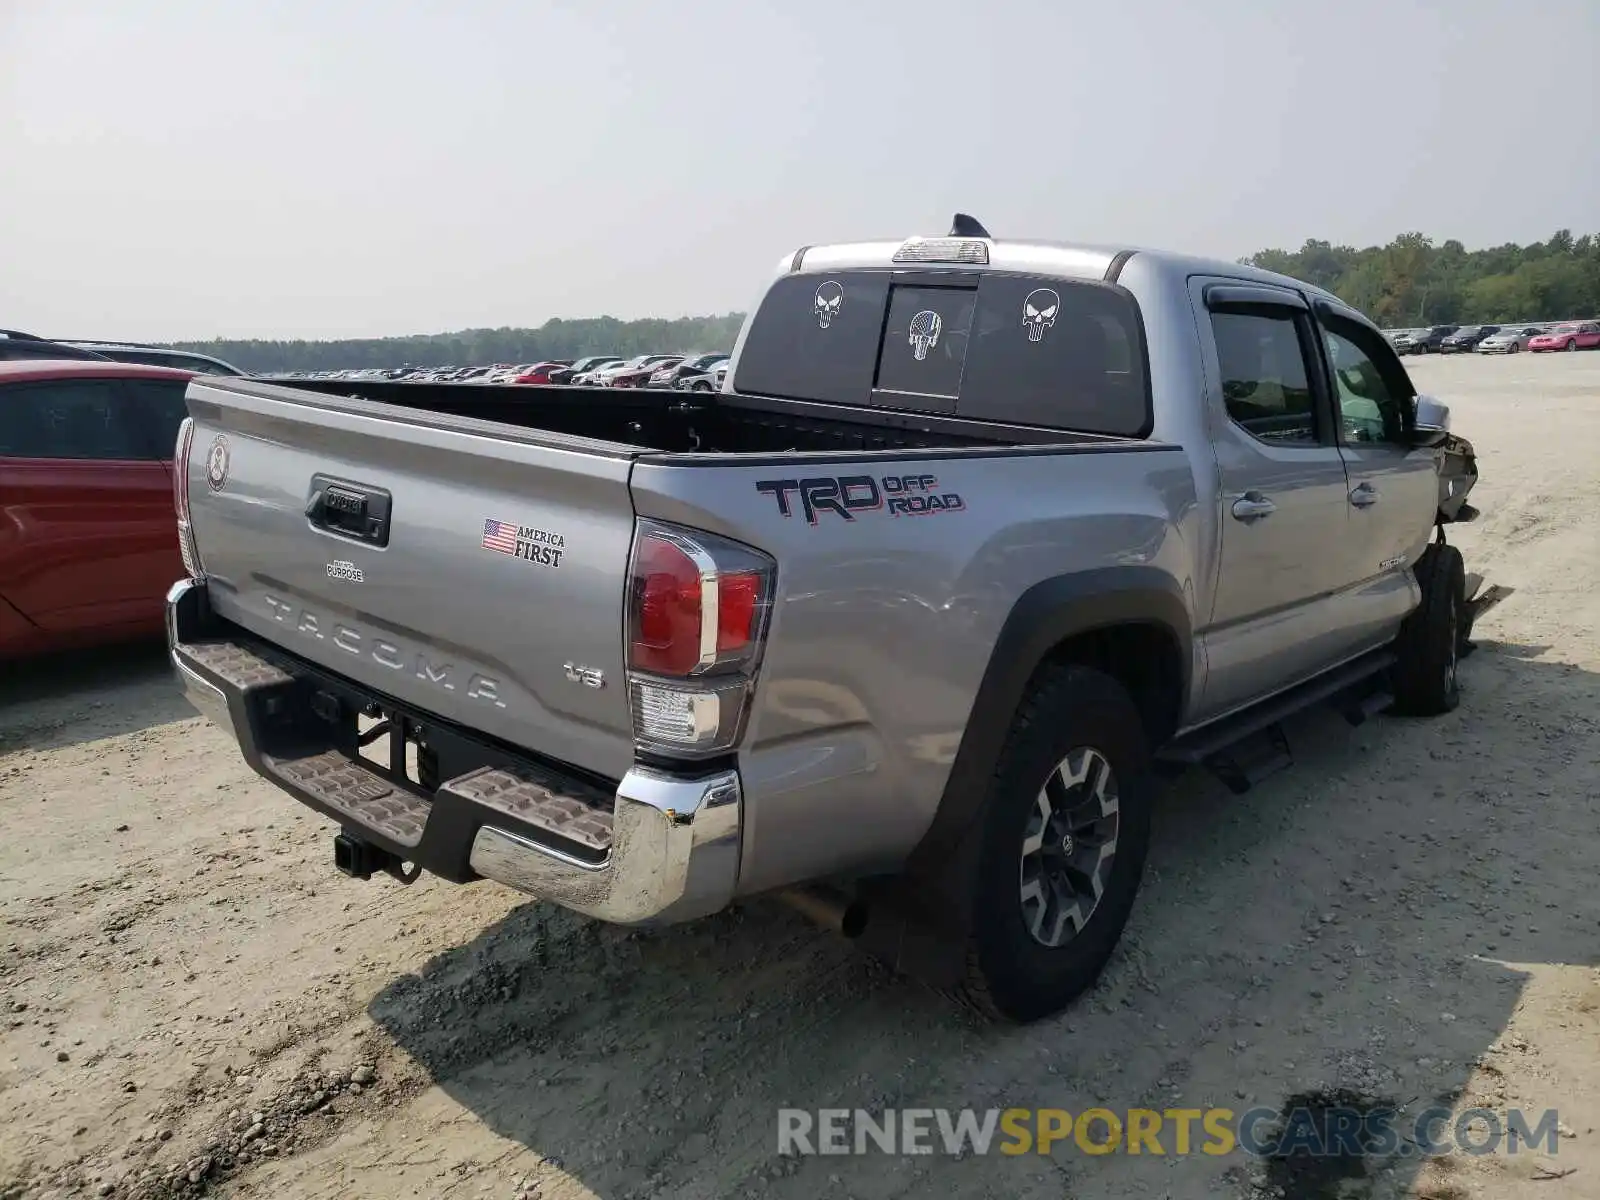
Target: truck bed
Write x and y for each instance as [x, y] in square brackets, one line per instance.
[464, 549]
[677, 422]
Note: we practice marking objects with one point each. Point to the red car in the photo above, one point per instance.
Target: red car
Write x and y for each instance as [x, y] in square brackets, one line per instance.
[88, 535]
[540, 372]
[1575, 335]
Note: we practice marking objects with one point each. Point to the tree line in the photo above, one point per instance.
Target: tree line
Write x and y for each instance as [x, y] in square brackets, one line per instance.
[1411, 281]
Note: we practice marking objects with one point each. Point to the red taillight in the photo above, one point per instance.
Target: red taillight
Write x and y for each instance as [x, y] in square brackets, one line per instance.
[739, 597]
[666, 635]
[696, 603]
[697, 617]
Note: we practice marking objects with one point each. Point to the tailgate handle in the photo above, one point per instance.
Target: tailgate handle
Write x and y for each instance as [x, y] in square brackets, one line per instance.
[352, 510]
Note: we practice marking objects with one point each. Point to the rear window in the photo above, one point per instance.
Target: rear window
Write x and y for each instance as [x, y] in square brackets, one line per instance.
[1057, 353]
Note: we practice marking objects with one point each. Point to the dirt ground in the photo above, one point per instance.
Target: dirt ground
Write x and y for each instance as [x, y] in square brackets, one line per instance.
[192, 1000]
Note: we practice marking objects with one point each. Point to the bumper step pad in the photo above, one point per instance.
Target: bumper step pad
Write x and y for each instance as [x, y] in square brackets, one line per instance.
[583, 820]
[363, 796]
[233, 664]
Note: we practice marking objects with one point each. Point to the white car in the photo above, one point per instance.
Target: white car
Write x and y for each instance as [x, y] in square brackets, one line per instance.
[1510, 340]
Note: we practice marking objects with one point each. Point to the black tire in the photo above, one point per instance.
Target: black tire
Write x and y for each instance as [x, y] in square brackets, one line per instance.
[1513, 348]
[1572, 345]
[1011, 975]
[1429, 644]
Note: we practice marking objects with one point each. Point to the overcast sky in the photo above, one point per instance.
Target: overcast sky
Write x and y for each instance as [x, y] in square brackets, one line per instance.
[323, 168]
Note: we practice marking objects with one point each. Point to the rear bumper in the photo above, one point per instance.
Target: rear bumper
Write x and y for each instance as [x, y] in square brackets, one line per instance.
[655, 848]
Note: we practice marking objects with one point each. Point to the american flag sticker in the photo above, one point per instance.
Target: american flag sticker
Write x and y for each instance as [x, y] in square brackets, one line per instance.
[499, 536]
[541, 547]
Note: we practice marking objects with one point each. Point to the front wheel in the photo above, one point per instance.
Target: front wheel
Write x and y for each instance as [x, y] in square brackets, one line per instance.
[1513, 348]
[1429, 643]
[1572, 344]
[1065, 831]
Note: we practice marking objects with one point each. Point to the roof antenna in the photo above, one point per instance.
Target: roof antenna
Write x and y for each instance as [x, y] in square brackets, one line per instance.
[961, 225]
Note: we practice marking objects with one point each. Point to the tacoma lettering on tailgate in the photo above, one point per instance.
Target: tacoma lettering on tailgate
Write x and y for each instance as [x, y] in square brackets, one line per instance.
[387, 654]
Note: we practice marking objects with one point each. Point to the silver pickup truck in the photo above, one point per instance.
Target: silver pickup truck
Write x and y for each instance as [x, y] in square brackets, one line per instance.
[902, 625]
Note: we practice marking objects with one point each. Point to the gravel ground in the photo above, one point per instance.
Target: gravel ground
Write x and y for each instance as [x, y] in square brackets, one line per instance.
[193, 1001]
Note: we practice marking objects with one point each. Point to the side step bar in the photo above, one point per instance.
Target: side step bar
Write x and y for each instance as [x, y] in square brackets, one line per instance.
[1244, 748]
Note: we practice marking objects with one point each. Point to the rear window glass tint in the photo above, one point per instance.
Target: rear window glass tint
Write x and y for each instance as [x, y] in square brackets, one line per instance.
[924, 348]
[816, 338]
[1059, 354]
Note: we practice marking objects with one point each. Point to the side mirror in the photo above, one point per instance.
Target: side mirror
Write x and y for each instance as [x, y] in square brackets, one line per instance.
[1432, 425]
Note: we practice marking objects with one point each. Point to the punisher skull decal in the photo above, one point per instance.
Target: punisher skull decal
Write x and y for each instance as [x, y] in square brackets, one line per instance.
[1039, 312]
[829, 300]
[925, 328]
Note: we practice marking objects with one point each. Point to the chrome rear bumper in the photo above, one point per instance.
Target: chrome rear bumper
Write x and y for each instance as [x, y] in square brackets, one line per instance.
[662, 848]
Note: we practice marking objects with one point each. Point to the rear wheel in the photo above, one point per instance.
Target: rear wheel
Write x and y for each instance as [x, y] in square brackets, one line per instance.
[1429, 644]
[1063, 842]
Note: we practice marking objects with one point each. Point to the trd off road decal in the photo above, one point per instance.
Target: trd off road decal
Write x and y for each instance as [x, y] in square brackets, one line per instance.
[847, 495]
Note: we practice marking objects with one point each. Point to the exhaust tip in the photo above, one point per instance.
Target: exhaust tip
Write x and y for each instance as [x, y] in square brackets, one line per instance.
[841, 914]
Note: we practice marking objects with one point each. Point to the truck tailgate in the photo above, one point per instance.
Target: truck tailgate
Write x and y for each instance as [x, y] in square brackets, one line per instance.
[470, 569]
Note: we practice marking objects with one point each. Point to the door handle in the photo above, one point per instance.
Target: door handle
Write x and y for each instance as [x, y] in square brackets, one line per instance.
[1252, 506]
[1364, 495]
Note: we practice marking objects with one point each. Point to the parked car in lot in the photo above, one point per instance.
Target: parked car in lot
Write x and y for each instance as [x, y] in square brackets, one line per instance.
[640, 376]
[540, 372]
[606, 376]
[1423, 341]
[1574, 335]
[1508, 341]
[88, 540]
[160, 356]
[16, 346]
[583, 366]
[668, 374]
[1133, 510]
[1465, 340]
[709, 380]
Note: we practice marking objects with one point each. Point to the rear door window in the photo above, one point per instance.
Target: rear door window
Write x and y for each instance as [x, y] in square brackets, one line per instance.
[1062, 354]
[1265, 385]
[68, 418]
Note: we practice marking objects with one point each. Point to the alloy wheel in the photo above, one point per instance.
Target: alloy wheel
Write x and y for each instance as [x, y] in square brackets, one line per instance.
[1068, 847]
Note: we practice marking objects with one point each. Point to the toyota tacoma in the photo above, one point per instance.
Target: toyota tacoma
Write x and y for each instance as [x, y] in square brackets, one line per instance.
[903, 624]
